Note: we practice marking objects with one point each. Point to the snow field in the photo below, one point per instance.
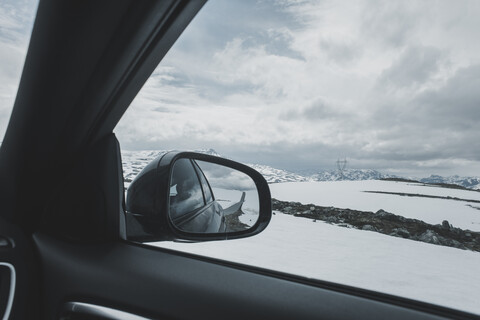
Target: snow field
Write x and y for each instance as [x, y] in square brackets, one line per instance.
[349, 194]
[416, 270]
[250, 207]
[440, 275]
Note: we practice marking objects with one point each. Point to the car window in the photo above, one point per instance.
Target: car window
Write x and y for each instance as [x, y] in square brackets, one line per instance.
[186, 194]
[363, 118]
[207, 191]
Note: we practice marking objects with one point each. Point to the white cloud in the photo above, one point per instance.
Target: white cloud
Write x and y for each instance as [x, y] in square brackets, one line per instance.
[16, 20]
[391, 85]
[310, 81]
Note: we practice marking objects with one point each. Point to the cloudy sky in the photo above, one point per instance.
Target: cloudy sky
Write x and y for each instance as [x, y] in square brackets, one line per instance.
[16, 20]
[390, 85]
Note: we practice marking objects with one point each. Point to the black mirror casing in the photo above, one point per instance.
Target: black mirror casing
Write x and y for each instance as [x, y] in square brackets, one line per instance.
[147, 201]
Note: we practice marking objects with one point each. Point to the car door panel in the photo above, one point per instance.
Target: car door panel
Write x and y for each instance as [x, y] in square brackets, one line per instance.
[19, 268]
[162, 284]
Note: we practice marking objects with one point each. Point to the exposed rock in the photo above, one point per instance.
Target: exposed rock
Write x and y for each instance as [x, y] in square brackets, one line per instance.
[368, 227]
[332, 220]
[382, 213]
[401, 232]
[386, 223]
[429, 236]
[445, 224]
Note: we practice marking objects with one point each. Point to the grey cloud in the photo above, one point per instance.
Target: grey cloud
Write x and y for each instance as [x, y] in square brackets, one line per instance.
[435, 124]
[278, 42]
[16, 19]
[415, 142]
[169, 76]
[397, 125]
[388, 21]
[414, 66]
[318, 110]
[319, 156]
[289, 156]
[165, 110]
[340, 52]
[457, 104]
[219, 21]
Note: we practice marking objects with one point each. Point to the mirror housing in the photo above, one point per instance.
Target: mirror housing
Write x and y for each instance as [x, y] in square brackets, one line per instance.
[148, 200]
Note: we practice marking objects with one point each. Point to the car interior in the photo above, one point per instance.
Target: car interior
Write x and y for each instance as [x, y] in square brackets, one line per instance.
[64, 248]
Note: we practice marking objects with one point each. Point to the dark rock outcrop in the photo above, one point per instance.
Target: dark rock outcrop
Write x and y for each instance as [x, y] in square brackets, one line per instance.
[385, 222]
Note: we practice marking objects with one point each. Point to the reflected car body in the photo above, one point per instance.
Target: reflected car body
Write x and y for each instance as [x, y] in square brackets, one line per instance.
[192, 204]
[207, 219]
[193, 207]
[171, 199]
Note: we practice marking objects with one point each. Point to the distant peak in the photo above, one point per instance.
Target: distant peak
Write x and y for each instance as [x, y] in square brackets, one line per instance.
[210, 152]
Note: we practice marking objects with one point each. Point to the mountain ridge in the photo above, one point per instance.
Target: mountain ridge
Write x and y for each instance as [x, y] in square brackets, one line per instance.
[135, 161]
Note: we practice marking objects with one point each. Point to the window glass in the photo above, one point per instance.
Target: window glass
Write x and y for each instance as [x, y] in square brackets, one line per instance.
[363, 118]
[206, 188]
[185, 191]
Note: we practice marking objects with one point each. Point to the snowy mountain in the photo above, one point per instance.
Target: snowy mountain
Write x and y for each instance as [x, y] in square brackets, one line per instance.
[210, 152]
[273, 175]
[135, 161]
[467, 182]
[349, 174]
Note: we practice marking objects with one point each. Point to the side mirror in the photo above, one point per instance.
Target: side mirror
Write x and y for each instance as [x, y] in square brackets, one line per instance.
[196, 197]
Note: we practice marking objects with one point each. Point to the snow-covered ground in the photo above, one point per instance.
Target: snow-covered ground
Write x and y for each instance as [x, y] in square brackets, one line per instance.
[349, 194]
[250, 206]
[370, 260]
[412, 269]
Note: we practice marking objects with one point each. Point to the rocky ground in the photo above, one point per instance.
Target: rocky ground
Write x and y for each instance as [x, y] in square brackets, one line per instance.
[234, 224]
[385, 222]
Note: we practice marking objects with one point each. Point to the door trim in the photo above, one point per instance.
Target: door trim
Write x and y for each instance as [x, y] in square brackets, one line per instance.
[11, 293]
[94, 310]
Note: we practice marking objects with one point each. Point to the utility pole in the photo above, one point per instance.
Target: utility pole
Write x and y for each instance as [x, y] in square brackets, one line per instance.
[341, 165]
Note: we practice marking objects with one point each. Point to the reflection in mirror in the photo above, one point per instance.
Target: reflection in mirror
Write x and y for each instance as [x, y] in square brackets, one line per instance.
[210, 198]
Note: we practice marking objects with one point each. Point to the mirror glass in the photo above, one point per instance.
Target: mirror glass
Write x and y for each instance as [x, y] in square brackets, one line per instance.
[210, 198]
